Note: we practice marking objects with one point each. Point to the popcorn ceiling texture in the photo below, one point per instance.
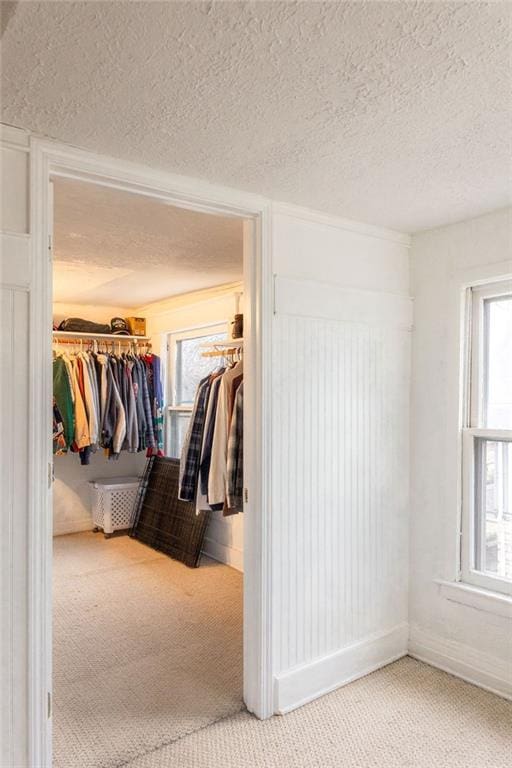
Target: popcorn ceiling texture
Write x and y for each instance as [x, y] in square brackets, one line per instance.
[112, 246]
[397, 114]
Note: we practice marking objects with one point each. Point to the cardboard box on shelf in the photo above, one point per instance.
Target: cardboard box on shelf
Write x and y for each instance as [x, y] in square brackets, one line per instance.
[137, 325]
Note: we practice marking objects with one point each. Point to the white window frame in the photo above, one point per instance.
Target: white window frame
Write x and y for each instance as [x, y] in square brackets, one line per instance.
[473, 419]
[173, 337]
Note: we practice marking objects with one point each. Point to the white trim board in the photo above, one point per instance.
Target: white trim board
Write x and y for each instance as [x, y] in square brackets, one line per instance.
[49, 159]
[307, 682]
[231, 556]
[476, 667]
[475, 597]
[15, 271]
[308, 298]
[66, 527]
[14, 138]
[327, 219]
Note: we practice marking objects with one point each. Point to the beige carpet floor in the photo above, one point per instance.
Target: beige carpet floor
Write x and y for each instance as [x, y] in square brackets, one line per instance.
[148, 674]
[145, 649]
[407, 715]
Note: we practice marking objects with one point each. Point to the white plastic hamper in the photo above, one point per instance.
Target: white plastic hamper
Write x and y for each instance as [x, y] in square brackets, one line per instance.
[113, 503]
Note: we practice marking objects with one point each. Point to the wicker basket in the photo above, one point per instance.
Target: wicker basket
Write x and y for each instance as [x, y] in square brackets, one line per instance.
[113, 503]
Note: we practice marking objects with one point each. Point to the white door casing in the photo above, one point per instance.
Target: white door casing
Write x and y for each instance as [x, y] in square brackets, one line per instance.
[28, 723]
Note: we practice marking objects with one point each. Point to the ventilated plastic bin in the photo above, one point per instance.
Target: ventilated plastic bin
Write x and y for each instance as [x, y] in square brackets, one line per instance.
[113, 503]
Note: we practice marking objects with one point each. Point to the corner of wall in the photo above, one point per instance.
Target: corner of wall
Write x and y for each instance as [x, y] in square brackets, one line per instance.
[477, 667]
[304, 683]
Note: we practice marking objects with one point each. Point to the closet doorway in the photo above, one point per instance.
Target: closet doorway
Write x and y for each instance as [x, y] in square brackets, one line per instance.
[127, 617]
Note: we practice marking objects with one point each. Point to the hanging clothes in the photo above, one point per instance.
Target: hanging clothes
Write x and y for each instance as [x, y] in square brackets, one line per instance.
[63, 399]
[103, 400]
[82, 438]
[149, 436]
[157, 403]
[116, 411]
[59, 441]
[191, 453]
[211, 465]
[206, 450]
[217, 478]
[235, 460]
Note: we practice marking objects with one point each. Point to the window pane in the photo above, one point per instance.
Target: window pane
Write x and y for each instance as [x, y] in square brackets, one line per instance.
[191, 367]
[498, 373]
[493, 519]
[178, 425]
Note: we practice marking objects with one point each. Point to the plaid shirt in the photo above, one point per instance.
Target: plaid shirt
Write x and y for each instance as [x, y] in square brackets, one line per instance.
[206, 451]
[191, 452]
[235, 460]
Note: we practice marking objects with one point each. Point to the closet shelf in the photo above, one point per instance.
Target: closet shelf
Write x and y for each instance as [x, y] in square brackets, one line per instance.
[223, 344]
[99, 336]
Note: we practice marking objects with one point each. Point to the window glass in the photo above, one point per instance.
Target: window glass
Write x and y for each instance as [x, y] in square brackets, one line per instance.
[178, 425]
[493, 521]
[486, 559]
[191, 367]
[498, 363]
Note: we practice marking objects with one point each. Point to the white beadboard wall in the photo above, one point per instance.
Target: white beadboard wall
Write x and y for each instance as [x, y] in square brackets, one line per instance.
[340, 416]
[16, 271]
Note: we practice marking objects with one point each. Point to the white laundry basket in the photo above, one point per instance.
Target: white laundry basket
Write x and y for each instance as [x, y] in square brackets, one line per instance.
[113, 503]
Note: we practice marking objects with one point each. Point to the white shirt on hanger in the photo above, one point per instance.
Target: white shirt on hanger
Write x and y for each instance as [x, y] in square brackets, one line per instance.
[218, 467]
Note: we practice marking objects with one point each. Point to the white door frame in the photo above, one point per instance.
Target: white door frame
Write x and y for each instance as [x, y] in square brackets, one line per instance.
[49, 159]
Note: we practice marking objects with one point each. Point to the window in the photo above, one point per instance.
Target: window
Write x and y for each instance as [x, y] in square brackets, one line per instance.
[186, 368]
[487, 441]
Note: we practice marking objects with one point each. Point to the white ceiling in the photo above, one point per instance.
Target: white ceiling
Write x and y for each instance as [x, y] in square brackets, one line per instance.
[393, 113]
[117, 248]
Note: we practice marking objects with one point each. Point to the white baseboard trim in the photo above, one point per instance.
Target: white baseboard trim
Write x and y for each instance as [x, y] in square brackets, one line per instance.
[227, 555]
[72, 526]
[302, 684]
[481, 669]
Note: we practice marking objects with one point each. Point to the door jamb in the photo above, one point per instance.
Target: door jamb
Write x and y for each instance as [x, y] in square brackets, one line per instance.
[49, 159]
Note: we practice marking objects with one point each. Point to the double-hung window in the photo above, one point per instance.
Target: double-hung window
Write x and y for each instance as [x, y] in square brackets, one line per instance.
[486, 552]
[186, 367]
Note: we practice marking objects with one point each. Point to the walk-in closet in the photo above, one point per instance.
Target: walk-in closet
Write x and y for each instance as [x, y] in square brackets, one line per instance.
[148, 471]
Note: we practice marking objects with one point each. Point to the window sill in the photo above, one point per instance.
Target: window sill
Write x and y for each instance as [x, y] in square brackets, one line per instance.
[476, 597]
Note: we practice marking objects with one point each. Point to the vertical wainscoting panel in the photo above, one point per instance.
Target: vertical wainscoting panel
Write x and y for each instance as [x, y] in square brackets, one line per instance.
[340, 491]
[13, 525]
[15, 447]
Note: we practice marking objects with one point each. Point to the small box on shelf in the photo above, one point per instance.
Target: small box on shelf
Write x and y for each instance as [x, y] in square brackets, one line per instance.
[137, 325]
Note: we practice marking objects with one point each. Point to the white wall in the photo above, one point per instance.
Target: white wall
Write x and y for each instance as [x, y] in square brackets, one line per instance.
[97, 314]
[72, 510]
[224, 537]
[16, 275]
[466, 640]
[190, 310]
[341, 356]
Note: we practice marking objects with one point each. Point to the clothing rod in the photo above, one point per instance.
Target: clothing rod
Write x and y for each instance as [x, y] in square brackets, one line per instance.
[110, 342]
[98, 336]
[237, 343]
[221, 352]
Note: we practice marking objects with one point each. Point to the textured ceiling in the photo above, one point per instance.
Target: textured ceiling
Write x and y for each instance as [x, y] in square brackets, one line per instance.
[394, 113]
[117, 248]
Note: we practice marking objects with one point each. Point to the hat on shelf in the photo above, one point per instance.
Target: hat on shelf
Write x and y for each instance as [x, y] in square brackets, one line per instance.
[119, 326]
